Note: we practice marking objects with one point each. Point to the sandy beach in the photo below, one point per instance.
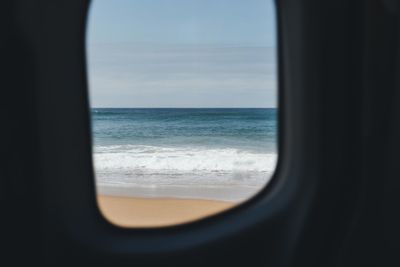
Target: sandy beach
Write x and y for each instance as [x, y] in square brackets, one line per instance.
[157, 212]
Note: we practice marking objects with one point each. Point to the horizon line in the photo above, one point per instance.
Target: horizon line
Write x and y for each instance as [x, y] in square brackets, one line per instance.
[184, 107]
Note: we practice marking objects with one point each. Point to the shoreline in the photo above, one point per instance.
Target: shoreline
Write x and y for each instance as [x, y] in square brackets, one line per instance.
[218, 193]
[144, 212]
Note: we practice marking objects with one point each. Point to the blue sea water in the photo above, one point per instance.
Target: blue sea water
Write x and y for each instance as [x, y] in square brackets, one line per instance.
[217, 153]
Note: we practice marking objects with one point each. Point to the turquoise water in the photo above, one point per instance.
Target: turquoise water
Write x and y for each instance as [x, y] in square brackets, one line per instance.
[184, 152]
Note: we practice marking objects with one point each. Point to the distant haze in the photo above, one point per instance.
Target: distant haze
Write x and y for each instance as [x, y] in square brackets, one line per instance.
[180, 53]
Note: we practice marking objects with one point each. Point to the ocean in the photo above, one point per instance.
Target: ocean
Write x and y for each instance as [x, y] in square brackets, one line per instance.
[199, 153]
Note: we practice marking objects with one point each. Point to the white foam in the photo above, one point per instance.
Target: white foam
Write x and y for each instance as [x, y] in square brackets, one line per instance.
[132, 157]
[194, 172]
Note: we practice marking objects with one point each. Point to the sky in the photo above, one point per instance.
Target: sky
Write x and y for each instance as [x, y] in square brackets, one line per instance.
[182, 53]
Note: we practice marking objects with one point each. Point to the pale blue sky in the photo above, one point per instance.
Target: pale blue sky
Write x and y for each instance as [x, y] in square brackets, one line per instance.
[182, 53]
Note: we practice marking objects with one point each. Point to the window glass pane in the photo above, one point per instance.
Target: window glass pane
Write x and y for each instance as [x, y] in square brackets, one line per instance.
[183, 101]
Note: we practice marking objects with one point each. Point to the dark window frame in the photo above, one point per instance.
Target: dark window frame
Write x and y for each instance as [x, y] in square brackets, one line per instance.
[295, 206]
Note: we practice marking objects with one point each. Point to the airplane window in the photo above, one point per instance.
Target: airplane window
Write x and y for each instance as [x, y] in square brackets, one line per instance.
[183, 105]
